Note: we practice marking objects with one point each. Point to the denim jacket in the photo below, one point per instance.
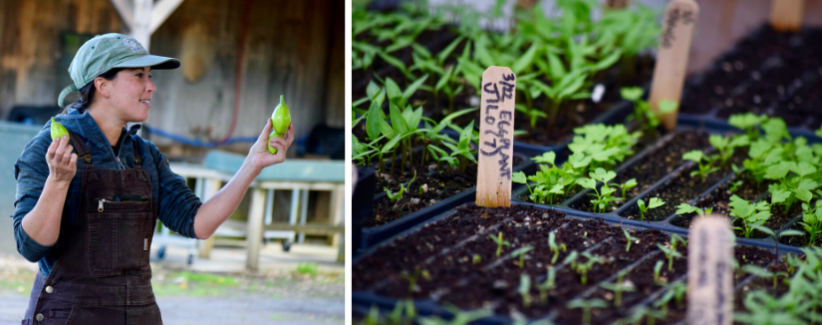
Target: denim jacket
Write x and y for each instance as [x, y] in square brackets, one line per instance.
[177, 204]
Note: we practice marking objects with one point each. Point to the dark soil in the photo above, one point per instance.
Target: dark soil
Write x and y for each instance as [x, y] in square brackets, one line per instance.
[653, 166]
[681, 189]
[441, 185]
[451, 274]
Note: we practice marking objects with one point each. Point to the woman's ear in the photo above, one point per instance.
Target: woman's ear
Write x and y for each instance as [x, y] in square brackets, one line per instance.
[103, 87]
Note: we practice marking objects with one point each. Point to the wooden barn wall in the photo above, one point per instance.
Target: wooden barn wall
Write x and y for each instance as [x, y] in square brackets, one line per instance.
[292, 48]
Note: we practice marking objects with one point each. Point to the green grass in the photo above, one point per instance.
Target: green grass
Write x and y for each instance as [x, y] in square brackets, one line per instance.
[307, 268]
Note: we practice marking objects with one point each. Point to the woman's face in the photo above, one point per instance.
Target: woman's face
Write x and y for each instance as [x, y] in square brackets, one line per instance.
[131, 93]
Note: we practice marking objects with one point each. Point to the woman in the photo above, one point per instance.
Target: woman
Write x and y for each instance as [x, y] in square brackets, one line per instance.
[87, 203]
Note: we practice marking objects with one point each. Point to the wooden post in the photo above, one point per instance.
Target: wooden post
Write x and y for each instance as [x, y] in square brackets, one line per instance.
[617, 4]
[212, 186]
[710, 271]
[335, 211]
[672, 56]
[786, 15]
[254, 235]
[496, 146]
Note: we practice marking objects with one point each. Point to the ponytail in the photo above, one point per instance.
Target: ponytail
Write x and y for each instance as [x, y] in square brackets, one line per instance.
[87, 92]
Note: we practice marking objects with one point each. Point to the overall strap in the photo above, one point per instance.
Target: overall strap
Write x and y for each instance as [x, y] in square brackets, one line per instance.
[80, 146]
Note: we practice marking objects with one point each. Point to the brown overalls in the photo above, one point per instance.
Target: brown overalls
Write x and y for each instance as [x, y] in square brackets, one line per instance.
[103, 274]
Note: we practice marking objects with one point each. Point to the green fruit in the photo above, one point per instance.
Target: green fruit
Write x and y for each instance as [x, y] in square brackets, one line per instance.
[280, 120]
[57, 129]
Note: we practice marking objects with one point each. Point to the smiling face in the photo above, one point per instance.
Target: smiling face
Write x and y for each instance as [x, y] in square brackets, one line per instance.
[129, 94]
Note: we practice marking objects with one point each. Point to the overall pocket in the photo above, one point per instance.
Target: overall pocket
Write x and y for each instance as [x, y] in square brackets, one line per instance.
[119, 241]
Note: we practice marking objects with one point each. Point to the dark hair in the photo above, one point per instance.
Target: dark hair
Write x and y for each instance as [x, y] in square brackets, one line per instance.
[87, 92]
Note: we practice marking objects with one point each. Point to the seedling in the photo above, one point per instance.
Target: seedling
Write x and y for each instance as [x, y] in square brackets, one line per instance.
[750, 213]
[603, 195]
[642, 110]
[676, 291]
[524, 289]
[394, 197]
[586, 306]
[499, 242]
[650, 314]
[685, 208]
[583, 268]
[521, 253]
[412, 279]
[763, 273]
[768, 231]
[619, 287]
[476, 259]
[631, 183]
[812, 221]
[725, 146]
[657, 269]
[670, 254]
[571, 259]
[555, 247]
[549, 284]
[653, 203]
[677, 239]
[705, 168]
[630, 240]
[748, 122]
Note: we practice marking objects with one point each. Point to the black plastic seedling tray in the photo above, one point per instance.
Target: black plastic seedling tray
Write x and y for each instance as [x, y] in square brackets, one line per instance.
[372, 235]
[364, 299]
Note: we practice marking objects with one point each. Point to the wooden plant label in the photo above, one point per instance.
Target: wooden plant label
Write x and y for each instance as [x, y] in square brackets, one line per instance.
[496, 143]
[786, 15]
[710, 271]
[617, 4]
[672, 56]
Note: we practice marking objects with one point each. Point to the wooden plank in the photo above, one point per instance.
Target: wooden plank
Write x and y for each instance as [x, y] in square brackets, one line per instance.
[496, 137]
[142, 19]
[254, 236]
[296, 170]
[162, 9]
[319, 229]
[672, 57]
[710, 271]
[786, 15]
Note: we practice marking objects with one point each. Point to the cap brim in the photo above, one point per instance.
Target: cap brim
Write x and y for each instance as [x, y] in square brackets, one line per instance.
[153, 61]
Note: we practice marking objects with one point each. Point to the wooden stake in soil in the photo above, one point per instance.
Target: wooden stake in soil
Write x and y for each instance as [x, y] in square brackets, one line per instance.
[710, 269]
[617, 4]
[496, 143]
[672, 56]
[786, 15]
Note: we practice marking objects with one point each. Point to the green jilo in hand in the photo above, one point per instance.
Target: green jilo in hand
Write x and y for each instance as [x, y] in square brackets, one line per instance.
[499, 242]
[58, 130]
[704, 168]
[652, 204]
[280, 120]
[751, 214]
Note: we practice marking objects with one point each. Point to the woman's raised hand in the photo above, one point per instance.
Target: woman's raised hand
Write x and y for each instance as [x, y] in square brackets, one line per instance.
[259, 154]
[62, 162]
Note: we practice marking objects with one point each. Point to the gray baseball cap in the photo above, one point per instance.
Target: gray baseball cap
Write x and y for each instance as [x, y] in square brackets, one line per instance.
[105, 52]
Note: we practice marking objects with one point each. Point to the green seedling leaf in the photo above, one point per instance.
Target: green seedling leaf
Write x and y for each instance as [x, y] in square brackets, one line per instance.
[667, 106]
[631, 93]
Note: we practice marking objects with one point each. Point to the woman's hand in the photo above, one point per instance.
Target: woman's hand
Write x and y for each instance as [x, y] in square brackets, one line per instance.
[259, 155]
[62, 162]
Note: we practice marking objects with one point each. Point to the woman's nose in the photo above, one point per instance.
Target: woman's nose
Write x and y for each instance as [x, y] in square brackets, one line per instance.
[150, 86]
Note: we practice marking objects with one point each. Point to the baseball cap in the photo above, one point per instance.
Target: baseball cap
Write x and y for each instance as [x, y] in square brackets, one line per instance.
[105, 52]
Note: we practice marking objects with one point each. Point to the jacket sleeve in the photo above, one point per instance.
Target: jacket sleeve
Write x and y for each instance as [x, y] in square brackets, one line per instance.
[31, 172]
[178, 204]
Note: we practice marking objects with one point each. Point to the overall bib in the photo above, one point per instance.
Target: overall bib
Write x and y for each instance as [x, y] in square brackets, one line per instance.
[103, 274]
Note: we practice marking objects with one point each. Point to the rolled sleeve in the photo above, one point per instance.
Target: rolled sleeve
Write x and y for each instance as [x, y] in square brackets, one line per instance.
[31, 172]
[178, 204]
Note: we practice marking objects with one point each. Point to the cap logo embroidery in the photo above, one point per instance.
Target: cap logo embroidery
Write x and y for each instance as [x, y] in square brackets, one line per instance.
[130, 42]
